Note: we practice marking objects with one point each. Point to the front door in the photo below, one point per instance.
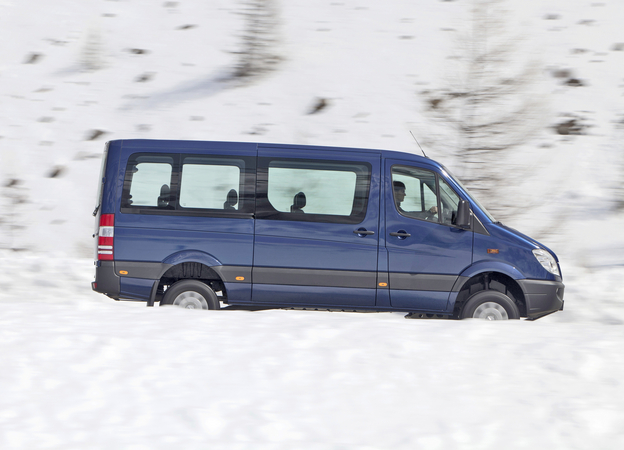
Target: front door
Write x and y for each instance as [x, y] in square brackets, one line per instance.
[426, 251]
[317, 227]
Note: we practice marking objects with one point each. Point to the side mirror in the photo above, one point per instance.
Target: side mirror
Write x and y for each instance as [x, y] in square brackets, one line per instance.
[463, 214]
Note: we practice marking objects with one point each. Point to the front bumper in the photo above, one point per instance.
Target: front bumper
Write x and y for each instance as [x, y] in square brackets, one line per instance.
[542, 297]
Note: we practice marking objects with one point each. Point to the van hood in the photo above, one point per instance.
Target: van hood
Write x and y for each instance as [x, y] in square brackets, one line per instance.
[524, 237]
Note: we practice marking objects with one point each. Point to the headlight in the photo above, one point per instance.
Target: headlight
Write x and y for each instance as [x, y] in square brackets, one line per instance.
[547, 261]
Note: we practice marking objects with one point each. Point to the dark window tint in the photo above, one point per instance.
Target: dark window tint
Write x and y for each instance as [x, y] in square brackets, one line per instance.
[314, 191]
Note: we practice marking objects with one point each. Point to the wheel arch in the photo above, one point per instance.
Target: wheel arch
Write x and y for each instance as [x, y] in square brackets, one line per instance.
[192, 256]
[192, 265]
[491, 278]
[492, 266]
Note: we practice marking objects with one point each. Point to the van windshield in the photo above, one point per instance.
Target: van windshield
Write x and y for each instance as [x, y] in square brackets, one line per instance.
[481, 207]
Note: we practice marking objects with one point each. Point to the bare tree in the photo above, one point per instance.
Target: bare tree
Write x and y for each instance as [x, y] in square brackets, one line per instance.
[91, 57]
[489, 103]
[258, 53]
[11, 221]
[618, 135]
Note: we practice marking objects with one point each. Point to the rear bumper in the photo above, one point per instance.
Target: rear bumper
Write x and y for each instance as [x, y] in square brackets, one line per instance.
[542, 297]
[106, 280]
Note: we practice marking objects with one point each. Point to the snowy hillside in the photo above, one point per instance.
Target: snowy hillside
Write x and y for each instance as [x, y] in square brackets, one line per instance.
[80, 73]
[78, 370]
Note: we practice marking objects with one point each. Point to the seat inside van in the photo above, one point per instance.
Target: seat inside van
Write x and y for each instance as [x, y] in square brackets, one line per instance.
[298, 203]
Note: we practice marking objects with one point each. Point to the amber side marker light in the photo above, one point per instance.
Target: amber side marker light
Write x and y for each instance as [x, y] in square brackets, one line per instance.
[383, 284]
[240, 278]
[492, 250]
[123, 272]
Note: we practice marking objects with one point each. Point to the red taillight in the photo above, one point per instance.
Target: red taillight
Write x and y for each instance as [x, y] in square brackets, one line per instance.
[105, 237]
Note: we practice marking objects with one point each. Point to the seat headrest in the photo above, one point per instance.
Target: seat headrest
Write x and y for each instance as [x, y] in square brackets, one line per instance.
[299, 200]
[232, 198]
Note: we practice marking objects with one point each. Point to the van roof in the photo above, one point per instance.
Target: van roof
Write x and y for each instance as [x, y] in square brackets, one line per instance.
[165, 144]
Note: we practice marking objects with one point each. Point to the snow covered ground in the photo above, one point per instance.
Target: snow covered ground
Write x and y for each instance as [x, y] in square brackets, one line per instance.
[78, 370]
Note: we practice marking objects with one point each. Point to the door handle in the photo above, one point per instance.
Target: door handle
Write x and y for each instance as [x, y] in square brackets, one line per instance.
[400, 234]
[363, 232]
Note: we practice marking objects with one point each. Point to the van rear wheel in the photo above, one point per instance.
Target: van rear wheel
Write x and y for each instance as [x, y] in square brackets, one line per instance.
[191, 294]
[490, 305]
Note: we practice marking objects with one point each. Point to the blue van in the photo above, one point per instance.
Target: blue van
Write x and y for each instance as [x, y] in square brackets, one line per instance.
[250, 225]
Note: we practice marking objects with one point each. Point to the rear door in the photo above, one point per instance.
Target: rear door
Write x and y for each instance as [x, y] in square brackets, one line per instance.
[426, 251]
[317, 227]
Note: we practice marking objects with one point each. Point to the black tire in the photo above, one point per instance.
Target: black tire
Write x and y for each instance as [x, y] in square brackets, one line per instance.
[191, 294]
[490, 305]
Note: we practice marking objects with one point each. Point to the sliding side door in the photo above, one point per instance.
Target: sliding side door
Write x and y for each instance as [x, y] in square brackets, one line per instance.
[317, 227]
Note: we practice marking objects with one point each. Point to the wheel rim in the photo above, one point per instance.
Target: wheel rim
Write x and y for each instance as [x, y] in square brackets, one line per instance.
[191, 300]
[490, 311]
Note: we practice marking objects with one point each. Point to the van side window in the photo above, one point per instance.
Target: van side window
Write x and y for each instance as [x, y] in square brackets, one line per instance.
[414, 192]
[151, 178]
[449, 202]
[191, 185]
[313, 191]
[207, 182]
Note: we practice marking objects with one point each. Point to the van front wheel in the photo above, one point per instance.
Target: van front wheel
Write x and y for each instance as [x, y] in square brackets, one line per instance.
[190, 294]
[490, 305]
